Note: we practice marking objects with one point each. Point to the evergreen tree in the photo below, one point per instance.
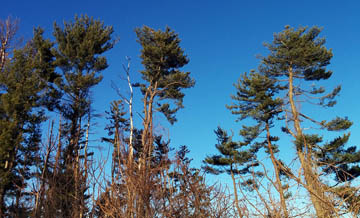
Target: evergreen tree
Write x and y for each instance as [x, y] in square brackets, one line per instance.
[235, 158]
[162, 58]
[25, 92]
[78, 54]
[297, 56]
[78, 50]
[118, 127]
[140, 165]
[255, 99]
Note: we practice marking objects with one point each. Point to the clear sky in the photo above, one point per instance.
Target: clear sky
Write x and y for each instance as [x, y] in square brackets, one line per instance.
[221, 39]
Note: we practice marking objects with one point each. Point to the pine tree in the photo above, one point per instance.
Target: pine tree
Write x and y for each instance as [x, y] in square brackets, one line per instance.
[140, 156]
[297, 56]
[78, 53]
[162, 57]
[25, 93]
[78, 50]
[235, 158]
[117, 128]
[255, 99]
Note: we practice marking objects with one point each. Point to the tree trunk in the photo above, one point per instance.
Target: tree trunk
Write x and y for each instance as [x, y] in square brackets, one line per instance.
[277, 174]
[235, 193]
[318, 198]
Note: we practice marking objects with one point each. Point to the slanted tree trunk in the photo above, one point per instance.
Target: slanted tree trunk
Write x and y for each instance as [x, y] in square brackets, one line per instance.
[236, 193]
[318, 198]
[274, 161]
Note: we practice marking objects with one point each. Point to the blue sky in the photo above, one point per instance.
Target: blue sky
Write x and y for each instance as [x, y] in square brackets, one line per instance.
[221, 39]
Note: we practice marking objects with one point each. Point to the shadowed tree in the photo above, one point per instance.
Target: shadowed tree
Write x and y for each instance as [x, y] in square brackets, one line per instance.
[25, 92]
[78, 50]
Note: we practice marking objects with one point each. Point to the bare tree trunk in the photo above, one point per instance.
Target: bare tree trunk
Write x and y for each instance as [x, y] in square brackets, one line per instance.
[86, 169]
[274, 161]
[130, 166]
[235, 193]
[58, 151]
[40, 193]
[143, 205]
[314, 186]
[8, 29]
[130, 102]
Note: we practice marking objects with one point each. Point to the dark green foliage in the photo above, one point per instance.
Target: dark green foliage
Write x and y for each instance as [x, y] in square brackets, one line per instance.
[118, 126]
[255, 100]
[338, 124]
[328, 100]
[300, 50]
[338, 160]
[25, 91]
[80, 45]
[305, 54]
[78, 49]
[302, 54]
[255, 97]
[160, 154]
[162, 57]
[117, 119]
[46, 68]
[310, 140]
[297, 56]
[232, 156]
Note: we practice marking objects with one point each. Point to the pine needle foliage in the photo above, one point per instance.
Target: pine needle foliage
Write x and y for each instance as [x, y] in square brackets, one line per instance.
[297, 56]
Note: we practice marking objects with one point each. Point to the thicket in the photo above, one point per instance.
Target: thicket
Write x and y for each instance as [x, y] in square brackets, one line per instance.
[58, 175]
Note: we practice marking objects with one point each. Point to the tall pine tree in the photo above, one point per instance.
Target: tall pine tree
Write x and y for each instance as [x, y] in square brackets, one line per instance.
[78, 50]
[296, 57]
[162, 58]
